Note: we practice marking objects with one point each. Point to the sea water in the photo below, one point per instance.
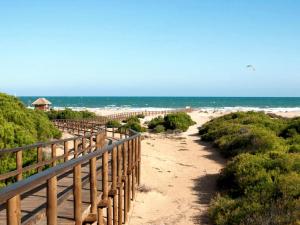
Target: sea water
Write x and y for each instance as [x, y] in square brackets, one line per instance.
[255, 103]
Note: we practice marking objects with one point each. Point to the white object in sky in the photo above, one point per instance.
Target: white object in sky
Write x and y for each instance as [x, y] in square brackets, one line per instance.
[250, 67]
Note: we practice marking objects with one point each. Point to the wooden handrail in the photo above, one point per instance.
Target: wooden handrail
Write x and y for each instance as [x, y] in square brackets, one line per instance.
[11, 193]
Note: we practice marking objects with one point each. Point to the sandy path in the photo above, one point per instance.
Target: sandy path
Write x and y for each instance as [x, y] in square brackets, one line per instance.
[178, 179]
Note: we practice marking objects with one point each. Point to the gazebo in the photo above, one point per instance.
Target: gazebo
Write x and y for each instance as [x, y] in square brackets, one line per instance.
[42, 104]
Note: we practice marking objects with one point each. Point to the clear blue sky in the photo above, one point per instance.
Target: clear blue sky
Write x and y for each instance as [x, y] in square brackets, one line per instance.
[150, 47]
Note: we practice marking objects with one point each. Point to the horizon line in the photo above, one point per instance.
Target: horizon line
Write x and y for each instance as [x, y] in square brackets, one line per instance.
[149, 96]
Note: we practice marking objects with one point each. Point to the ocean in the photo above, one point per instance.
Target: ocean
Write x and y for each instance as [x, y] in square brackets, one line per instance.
[285, 103]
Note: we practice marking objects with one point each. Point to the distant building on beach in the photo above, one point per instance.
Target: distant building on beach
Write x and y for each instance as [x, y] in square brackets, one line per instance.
[42, 104]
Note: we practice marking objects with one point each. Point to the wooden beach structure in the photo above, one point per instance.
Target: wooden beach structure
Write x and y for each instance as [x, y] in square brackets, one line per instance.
[42, 104]
[90, 178]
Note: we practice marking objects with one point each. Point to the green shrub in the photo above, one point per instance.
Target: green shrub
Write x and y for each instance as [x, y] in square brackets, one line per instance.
[133, 123]
[113, 124]
[225, 211]
[69, 114]
[21, 126]
[159, 129]
[155, 122]
[245, 132]
[292, 129]
[261, 184]
[249, 139]
[255, 184]
[133, 126]
[132, 119]
[140, 116]
[178, 121]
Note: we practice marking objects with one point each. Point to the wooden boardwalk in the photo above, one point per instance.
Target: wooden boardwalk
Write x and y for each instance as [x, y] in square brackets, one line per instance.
[88, 179]
[79, 190]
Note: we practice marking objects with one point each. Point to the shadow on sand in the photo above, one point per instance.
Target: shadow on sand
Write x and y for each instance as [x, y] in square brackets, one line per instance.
[212, 153]
[205, 186]
[205, 189]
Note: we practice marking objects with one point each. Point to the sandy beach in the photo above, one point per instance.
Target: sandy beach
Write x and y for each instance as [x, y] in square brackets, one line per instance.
[178, 176]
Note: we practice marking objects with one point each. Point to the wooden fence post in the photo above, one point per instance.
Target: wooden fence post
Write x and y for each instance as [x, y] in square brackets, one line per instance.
[77, 185]
[13, 211]
[132, 166]
[125, 177]
[53, 154]
[129, 172]
[39, 158]
[66, 151]
[77, 195]
[52, 201]
[19, 162]
[120, 186]
[114, 185]
[93, 178]
[105, 203]
[140, 159]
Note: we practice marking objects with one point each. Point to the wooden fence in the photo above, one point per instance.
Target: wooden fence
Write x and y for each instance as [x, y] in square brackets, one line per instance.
[114, 171]
[126, 115]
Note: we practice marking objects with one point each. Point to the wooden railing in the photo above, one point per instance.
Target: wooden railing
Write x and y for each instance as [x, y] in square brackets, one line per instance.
[119, 163]
[126, 115]
[80, 146]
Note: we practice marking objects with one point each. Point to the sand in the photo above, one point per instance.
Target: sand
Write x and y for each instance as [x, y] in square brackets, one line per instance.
[179, 176]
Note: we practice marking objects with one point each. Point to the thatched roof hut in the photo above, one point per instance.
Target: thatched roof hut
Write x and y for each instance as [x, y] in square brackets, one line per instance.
[41, 103]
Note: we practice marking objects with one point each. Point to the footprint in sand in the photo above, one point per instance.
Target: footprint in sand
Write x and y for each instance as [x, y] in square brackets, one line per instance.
[182, 150]
[187, 165]
[158, 170]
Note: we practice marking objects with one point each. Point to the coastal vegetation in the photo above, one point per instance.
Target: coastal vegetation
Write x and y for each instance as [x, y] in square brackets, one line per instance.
[140, 116]
[21, 126]
[179, 121]
[113, 124]
[133, 123]
[261, 182]
[69, 114]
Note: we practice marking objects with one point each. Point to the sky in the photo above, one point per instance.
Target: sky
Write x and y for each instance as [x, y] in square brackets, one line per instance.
[150, 47]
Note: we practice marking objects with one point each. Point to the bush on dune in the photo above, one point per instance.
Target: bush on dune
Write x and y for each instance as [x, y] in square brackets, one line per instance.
[21, 126]
[180, 121]
[258, 187]
[113, 124]
[132, 119]
[249, 139]
[244, 132]
[261, 184]
[69, 114]
[132, 123]
[133, 126]
[140, 116]
[155, 122]
[159, 129]
[292, 129]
